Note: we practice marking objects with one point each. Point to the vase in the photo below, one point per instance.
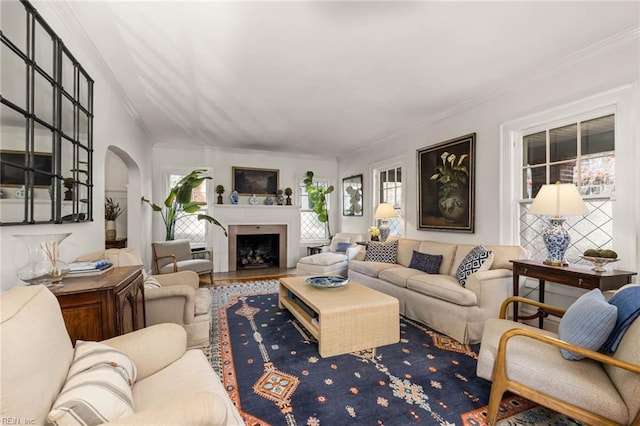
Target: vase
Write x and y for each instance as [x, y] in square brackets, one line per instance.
[234, 197]
[454, 206]
[110, 230]
[43, 264]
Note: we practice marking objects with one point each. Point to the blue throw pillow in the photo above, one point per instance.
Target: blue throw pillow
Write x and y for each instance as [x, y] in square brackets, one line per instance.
[478, 259]
[429, 263]
[342, 247]
[587, 323]
[628, 303]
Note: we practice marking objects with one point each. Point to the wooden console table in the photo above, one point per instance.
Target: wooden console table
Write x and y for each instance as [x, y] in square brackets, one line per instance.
[579, 276]
[103, 306]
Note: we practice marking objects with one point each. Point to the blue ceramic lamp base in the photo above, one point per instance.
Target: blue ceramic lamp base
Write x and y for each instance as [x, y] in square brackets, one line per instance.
[557, 239]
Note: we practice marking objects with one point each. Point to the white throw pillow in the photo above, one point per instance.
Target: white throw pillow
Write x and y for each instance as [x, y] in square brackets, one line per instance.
[97, 388]
[150, 283]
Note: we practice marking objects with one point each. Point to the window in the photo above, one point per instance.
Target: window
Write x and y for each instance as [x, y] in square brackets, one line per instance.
[311, 229]
[189, 227]
[390, 191]
[582, 153]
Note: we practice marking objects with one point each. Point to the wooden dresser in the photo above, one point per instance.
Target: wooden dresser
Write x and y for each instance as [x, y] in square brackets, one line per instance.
[103, 306]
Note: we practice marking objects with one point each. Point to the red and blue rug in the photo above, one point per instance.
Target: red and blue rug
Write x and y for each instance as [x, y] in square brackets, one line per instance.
[272, 371]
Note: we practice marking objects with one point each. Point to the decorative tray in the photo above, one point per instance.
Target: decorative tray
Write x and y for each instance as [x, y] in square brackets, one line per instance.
[327, 281]
[599, 262]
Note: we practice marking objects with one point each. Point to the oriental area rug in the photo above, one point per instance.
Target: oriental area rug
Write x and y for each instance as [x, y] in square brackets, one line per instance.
[273, 372]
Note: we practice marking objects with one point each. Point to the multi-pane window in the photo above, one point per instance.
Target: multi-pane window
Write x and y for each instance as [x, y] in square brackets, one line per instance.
[390, 191]
[311, 229]
[189, 227]
[582, 153]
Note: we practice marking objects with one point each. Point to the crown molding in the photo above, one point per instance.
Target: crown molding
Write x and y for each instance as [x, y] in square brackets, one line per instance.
[70, 19]
[539, 74]
[247, 151]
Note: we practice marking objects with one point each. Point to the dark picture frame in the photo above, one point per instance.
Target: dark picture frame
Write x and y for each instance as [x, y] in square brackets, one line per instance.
[249, 181]
[13, 176]
[446, 185]
[352, 200]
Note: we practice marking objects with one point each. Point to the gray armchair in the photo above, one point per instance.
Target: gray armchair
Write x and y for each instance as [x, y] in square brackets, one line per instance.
[175, 256]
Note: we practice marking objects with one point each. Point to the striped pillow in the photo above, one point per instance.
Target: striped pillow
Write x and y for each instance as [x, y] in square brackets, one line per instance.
[97, 389]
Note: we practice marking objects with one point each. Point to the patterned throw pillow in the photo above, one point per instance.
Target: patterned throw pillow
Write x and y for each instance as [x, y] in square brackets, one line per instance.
[385, 252]
[587, 323]
[478, 259]
[97, 389]
[429, 263]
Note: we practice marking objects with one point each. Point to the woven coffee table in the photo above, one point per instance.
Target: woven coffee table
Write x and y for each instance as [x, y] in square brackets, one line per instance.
[344, 319]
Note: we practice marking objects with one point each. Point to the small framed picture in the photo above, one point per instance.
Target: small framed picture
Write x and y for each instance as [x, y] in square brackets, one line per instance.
[352, 196]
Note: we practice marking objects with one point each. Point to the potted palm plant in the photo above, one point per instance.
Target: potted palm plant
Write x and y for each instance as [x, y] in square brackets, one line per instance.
[179, 205]
[453, 177]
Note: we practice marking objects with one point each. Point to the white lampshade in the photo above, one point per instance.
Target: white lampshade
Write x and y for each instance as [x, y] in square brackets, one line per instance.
[559, 199]
[385, 211]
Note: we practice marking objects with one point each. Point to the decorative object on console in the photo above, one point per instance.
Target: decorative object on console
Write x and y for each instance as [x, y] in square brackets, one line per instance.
[43, 260]
[268, 201]
[317, 195]
[288, 191]
[384, 212]
[352, 196]
[253, 200]
[179, 205]
[235, 197]
[327, 281]
[446, 185]
[375, 233]
[557, 200]
[279, 197]
[220, 191]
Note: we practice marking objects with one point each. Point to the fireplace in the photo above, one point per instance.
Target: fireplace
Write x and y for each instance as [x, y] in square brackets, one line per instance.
[257, 246]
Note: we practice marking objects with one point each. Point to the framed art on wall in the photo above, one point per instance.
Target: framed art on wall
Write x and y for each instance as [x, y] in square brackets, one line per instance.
[249, 181]
[446, 185]
[352, 196]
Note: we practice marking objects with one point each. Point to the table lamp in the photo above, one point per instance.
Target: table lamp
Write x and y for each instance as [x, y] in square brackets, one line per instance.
[384, 212]
[557, 200]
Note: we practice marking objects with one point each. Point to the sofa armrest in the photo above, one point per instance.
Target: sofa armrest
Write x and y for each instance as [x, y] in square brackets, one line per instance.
[491, 287]
[175, 303]
[188, 278]
[153, 348]
[197, 408]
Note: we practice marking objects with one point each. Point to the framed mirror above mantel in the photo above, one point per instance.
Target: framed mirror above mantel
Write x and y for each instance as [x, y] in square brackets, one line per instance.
[46, 124]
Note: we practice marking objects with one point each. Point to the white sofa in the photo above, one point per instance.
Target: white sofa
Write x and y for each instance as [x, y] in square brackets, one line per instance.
[173, 385]
[332, 262]
[438, 300]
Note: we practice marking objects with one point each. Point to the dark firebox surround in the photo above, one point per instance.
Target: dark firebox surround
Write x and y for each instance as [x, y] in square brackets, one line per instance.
[279, 232]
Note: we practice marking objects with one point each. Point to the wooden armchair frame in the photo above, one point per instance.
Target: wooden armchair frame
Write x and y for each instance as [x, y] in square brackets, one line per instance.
[174, 260]
[502, 383]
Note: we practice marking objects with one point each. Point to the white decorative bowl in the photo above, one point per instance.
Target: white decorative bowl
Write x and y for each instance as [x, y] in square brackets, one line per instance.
[599, 262]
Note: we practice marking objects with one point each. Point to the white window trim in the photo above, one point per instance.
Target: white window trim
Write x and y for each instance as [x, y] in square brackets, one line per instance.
[623, 102]
[374, 170]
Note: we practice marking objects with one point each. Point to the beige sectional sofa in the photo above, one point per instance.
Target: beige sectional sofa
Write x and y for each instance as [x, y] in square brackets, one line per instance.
[438, 300]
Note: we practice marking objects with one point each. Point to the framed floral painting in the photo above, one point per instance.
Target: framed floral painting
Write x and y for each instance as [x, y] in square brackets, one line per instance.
[446, 185]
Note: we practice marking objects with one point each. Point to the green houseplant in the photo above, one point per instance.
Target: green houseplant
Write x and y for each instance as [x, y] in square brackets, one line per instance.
[178, 203]
[318, 199]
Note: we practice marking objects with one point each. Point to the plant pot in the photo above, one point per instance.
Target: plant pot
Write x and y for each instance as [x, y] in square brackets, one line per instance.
[454, 206]
[110, 230]
[220, 199]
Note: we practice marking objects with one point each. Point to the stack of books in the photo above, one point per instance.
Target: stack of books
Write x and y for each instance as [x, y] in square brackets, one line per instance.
[86, 269]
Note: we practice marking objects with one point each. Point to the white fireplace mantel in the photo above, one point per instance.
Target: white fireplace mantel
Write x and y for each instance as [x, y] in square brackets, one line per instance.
[235, 214]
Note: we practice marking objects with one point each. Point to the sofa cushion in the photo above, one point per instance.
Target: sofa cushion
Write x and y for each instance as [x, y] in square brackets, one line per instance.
[399, 275]
[385, 252]
[587, 323]
[444, 287]
[426, 262]
[371, 269]
[447, 251]
[323, 259]
[405, 249]
[478, 259]
[98, 387]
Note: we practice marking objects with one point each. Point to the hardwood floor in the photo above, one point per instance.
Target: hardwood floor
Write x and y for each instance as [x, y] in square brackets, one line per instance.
[222, 278]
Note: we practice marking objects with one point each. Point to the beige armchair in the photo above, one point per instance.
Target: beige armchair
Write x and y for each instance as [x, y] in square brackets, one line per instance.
[173, 385]
[173, 297]
[599, 389]
[175, 256]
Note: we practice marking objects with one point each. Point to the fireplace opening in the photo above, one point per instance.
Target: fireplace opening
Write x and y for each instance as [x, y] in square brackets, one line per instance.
[257, 251]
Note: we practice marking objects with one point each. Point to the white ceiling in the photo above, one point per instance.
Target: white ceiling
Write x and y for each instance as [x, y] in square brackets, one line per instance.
[326, 77]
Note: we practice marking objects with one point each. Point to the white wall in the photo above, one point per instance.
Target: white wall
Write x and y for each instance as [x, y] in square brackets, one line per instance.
[605, 71]
[112, 126]
[291, 168]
